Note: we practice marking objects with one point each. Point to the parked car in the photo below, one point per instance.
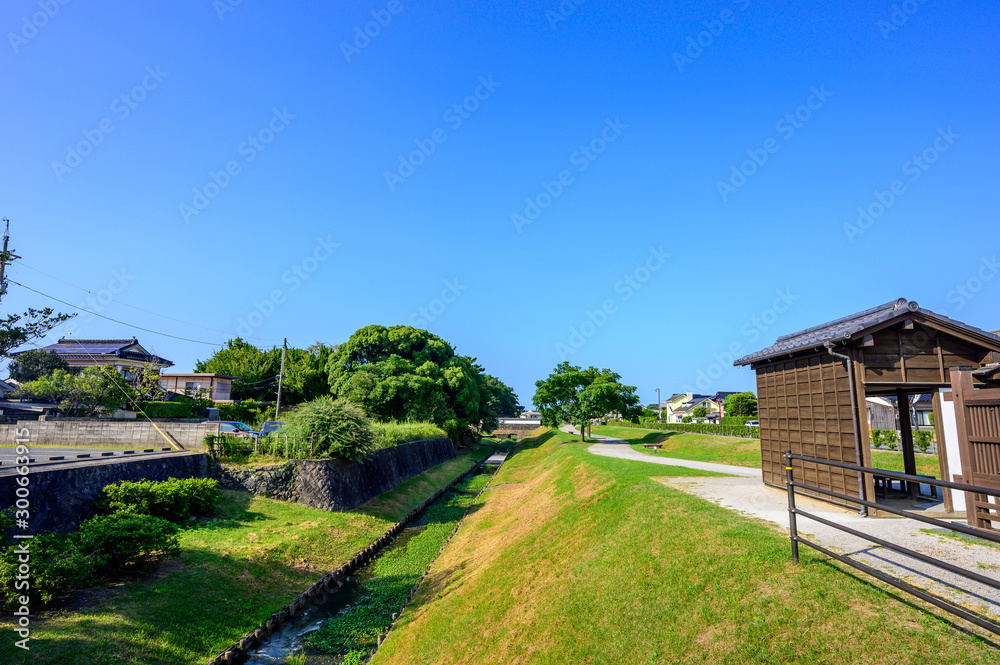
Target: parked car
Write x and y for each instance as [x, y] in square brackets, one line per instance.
[271, 426]
[233, 428]
[752, 423]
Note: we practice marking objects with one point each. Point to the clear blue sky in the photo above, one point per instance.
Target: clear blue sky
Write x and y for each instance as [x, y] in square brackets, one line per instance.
[635, 128]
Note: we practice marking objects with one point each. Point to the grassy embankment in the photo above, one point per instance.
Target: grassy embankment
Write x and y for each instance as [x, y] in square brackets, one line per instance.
[737, 451]
[233, 571]
[576, 558]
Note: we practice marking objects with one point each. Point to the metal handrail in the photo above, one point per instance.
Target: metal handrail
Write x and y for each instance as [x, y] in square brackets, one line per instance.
[793, 512]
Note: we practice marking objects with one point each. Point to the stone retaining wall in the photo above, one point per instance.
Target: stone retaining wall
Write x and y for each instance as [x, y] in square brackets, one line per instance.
[109, 433]
[61, 498]
[337, 484]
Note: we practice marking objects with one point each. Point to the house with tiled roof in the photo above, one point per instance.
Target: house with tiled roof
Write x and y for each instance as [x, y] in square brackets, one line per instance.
[125, 355]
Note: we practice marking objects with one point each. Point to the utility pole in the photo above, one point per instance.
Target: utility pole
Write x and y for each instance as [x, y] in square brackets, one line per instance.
[659, 406]
[3, 257]
[281, 375]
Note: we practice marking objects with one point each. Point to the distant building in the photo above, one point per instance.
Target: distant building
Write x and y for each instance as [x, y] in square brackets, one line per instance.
[530, 414]
[216, 387]
[125, 355]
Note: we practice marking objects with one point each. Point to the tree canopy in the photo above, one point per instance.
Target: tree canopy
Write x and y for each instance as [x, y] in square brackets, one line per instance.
[35, 363]
[405, 373]
[84, 394]
[572, 394]
[305, 371]
[741, 404]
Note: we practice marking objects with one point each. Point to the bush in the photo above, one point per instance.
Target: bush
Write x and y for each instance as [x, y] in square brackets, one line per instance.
[103, 545]
[686, 419]
[922, 440]
[174, 500]
[166, 409]
[737, 421]
[112, 541]
[884, 437]
[698, 428]
[249, 411]
[340, 429]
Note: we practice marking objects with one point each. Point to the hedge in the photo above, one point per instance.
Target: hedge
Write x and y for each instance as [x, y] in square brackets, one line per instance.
[699, 428]
[174, 500]
[166, 409]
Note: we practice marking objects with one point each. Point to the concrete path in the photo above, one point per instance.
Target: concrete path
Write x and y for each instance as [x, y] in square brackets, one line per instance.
[611, 447]
[747, 494]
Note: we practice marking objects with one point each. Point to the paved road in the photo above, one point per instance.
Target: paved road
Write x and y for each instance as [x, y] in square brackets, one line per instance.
[611, 447]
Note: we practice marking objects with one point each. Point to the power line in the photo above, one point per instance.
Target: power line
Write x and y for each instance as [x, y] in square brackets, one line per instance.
[155, 332]
[22, 264]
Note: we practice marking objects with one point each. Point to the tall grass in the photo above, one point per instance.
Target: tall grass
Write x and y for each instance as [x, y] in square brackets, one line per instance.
[392, 434]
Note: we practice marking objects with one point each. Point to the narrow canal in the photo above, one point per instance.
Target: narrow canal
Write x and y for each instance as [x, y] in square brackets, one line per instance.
[343, 628]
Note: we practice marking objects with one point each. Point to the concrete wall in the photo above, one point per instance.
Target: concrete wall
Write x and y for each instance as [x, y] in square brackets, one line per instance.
[61, 498]
[338, 484]
[113, 434]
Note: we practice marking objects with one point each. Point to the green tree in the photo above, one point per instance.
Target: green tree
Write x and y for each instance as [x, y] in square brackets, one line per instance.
[503, 402]
[305, 371]
[699, 412]
[35, 363]
[575, 395]
[405, 373]
[741, 404]
[84, 394]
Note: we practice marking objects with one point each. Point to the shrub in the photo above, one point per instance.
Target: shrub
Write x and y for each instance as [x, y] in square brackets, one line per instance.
[686, 419]
[166, 409]
[340, 429]
[737, 421]
[884, 437]
[57, 564]
[248, 411]
[699, 428]
[922, 440]
[174, 500]
[112, 541]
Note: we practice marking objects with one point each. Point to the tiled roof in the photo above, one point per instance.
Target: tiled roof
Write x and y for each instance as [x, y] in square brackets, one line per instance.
[851, 326]
[83, 349]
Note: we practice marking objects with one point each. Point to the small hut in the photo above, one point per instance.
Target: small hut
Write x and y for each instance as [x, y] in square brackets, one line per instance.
[812, 385]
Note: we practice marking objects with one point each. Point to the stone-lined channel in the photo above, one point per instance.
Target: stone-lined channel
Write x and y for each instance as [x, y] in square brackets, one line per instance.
[350, 622]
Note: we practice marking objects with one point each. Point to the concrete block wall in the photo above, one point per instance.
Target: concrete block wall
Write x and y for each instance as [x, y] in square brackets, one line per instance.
[113, 434]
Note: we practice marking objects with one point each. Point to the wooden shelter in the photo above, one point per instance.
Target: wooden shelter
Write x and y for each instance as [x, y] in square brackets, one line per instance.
[811, 386]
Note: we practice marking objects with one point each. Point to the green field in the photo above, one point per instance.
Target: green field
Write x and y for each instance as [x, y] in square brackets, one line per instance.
[576, 558]
[737, 451]
[254, 556]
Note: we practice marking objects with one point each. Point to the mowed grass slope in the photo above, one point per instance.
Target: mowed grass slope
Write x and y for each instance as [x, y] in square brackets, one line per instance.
[738, 451]
[575, 558]
[254, 556]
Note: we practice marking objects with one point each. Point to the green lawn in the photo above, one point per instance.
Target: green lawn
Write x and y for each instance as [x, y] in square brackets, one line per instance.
[233, 571]
[576, 558]
[737, 451]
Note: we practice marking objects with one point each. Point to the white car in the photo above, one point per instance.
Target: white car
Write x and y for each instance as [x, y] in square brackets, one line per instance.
[752, 423]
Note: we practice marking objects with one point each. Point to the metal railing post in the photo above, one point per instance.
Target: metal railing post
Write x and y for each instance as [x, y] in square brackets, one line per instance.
[792, 528]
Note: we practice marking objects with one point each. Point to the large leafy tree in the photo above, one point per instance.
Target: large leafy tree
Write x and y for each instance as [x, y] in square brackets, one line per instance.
[575, 395]
[503, 401]
[305, 371]
[19, 329]
[405, 373]
[84, 394]
[35, 363]
[741, 404]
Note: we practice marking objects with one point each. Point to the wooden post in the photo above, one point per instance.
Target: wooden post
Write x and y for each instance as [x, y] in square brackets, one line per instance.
[961, 387]
[906, 438]
[949, 506]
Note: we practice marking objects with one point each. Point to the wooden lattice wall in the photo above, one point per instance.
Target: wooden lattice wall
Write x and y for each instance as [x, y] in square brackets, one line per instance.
[805, 406]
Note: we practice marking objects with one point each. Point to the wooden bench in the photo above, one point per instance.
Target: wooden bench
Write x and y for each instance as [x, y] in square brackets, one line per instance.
[654, 446]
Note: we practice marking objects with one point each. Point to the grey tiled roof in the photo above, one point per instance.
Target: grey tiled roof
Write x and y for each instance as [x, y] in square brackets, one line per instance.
[851, 326]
